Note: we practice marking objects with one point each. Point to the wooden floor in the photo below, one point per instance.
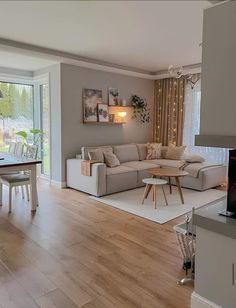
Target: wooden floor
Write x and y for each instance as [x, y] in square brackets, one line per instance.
[76, 252]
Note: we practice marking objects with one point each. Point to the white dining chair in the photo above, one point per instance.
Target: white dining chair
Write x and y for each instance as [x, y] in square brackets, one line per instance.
[18, 179]
[19, 149]
[12, 147]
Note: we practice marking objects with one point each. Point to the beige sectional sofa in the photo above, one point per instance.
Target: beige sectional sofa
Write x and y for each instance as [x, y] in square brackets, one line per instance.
[133, 169]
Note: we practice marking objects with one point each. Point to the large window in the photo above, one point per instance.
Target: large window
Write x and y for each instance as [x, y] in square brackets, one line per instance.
[16, 111]
[192, 127]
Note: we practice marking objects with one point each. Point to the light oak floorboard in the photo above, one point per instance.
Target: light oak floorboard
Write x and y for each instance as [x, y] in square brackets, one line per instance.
[77, 252]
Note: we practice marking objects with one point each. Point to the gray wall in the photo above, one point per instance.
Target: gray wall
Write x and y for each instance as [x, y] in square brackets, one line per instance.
[218, 103]
[76, 134]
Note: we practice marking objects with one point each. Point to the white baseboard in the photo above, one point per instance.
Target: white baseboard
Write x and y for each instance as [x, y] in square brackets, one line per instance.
[58, 184]
[198, 301]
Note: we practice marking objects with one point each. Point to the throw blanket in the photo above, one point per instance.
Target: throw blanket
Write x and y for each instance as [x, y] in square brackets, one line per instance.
[193, 169]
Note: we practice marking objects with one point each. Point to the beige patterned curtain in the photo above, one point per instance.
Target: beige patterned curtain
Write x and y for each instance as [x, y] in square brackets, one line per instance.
[169, 110]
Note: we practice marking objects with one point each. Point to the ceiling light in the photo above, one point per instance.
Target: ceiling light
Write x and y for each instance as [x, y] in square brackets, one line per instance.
[178, 72]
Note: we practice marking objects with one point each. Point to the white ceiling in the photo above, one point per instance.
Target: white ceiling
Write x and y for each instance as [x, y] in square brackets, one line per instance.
[146, 35]
[23, 62]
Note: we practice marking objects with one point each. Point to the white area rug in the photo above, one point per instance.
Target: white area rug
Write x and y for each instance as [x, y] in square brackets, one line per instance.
[130, 201]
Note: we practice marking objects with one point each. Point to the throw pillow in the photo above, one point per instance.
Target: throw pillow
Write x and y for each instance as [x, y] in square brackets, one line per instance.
[96, 155]
[164, 149]
[153, 150]
[174, 152]
[111, 160]
[194, 158]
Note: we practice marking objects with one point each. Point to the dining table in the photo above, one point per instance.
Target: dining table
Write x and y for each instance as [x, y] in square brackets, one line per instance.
[12, 163]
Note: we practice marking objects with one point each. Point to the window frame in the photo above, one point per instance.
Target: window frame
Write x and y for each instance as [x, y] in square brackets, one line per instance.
[38, 81]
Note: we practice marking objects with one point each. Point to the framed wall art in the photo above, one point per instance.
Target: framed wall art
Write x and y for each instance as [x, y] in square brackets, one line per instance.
[103, 113]
[91, 99]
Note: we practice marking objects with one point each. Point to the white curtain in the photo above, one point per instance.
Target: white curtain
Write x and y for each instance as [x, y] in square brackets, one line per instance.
[192, 125]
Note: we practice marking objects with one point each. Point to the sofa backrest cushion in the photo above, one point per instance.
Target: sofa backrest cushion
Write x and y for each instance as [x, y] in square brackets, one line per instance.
[164, 149]
[85, 150]
[126, 152]
[142, 151]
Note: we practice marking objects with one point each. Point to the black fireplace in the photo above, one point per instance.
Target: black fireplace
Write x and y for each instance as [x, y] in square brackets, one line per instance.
[231, 196]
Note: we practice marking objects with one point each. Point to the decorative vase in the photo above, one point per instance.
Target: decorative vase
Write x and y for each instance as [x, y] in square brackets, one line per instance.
[124, 102]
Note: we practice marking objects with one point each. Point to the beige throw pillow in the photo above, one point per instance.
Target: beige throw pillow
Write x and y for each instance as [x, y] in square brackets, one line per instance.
[111, 160]
[96, 155]
[153, 150]
[193, 158]
[174, 152]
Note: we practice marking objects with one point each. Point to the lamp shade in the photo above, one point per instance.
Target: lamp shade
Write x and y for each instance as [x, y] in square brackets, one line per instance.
[122, 114]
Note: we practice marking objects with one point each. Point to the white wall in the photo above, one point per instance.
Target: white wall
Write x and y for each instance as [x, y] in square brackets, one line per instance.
[218, 103]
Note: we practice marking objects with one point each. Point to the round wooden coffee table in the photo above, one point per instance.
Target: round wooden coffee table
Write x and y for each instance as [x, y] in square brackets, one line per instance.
[170, 173]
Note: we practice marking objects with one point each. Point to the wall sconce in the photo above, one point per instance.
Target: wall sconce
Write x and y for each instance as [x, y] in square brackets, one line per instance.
[122, 115]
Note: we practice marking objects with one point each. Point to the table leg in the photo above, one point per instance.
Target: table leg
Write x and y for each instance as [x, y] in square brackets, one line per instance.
[170, 185]
[145, 193]
[155, 196]
[148, 190]
[179, 189]
[0, 194]
[164, 194]
[33, 188]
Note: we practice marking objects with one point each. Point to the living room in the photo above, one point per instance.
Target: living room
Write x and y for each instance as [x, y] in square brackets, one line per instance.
[114, 154]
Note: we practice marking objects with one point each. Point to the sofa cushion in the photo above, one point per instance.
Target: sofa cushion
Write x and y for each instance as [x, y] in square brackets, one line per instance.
[118, 170]
[194, 169]
[142, 151]
[175, 152]
[139, 165]
[193, 158]
[154, 150]
[121, 178]
[96, 155]
[126, 152]
[167, 162]
[164, 149]
[111, 160]
[85, 150]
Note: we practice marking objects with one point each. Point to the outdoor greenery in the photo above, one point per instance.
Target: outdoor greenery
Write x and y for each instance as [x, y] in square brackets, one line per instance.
[16, 118]
[141, 111]
[16, 100]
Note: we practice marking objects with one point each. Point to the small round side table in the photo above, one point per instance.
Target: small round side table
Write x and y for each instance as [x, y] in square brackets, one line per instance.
[154, 182]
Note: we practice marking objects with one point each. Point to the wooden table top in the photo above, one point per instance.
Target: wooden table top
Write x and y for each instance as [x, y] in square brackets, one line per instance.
[167, 172]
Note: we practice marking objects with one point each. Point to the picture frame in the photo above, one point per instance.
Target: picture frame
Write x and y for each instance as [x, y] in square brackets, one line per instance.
[91, 99]
[111, 117]
[113, 97]
[103, 112]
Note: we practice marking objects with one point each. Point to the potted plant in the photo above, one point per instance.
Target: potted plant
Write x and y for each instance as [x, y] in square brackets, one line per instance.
[33, 137]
